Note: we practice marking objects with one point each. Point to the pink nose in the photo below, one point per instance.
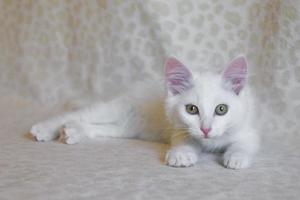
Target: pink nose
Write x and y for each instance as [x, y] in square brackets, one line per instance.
[205, 131]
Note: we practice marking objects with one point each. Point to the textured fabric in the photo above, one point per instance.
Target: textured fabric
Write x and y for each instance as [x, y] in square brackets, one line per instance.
[53, 51]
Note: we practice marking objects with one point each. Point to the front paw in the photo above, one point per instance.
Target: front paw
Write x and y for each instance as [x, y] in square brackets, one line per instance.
[181, 158]
[236, 160]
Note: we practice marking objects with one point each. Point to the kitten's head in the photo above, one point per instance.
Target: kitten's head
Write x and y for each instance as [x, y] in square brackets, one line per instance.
[207, 105]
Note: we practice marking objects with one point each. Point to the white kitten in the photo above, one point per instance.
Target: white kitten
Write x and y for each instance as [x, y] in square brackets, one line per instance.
[200, 112]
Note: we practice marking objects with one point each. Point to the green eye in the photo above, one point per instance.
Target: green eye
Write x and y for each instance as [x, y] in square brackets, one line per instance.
[221, 109]
[191, 109]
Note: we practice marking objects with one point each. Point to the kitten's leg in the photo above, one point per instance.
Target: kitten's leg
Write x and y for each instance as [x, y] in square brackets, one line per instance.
[74, 132]
[104, 112]
[184, 152]
[49, 129]
[239, 155]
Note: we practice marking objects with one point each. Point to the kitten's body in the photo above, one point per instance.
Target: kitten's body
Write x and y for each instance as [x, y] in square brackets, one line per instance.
[138, 113]
[147, 113]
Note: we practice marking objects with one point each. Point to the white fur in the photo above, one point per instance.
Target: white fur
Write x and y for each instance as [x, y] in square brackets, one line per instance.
[147, 113]
[232, 133]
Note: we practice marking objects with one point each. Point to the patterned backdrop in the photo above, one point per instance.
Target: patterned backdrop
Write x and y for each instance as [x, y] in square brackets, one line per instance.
[53, 50]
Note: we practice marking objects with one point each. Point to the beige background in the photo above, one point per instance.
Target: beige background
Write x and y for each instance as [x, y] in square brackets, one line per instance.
[51, 51]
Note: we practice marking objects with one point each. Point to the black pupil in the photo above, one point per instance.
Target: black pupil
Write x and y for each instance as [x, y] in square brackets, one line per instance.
[222, 108]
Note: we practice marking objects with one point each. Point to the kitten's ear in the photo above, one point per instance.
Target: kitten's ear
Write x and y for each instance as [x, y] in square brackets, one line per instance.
[178, 77]
[234, 76]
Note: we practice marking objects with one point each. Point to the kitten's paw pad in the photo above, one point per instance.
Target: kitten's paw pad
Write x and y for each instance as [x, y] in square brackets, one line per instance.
[177, 158]
[71, 133]
[236, 160]
[42, 133]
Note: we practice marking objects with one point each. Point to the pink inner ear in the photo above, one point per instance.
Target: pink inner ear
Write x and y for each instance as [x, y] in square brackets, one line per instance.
[235, 74]
[178, 77]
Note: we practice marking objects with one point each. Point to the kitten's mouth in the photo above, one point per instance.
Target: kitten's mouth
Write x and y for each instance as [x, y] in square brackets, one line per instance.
[207, 137]
[203, 136]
